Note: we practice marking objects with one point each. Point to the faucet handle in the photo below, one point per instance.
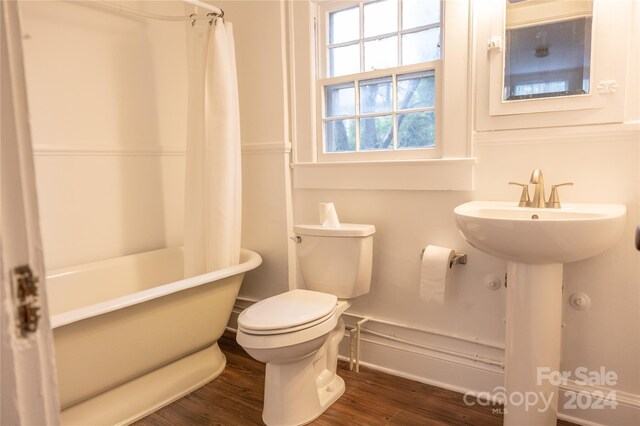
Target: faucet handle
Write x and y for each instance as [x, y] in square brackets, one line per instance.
[525, 201]
[554, 199]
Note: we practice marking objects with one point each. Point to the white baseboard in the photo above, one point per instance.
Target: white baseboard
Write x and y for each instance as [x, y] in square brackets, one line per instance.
[427, 367]
[625, 410]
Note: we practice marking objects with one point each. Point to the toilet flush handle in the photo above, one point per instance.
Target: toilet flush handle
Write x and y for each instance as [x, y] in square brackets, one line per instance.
[296, 238]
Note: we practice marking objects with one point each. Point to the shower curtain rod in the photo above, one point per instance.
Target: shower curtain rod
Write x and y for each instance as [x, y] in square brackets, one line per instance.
[118, 8]
[206, 6]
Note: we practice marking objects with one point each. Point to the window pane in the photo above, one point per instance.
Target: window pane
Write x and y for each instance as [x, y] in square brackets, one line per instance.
[422, 46]
[416, 13]
[381, 53]
[340, 135]
[344, 60]
[380, 17]
[416, 90]
[376, 133]
[340, 99]
[416, 130]
[375, 95]
[344, 25]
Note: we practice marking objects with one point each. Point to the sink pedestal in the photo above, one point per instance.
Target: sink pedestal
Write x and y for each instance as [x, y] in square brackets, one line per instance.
[534, 316]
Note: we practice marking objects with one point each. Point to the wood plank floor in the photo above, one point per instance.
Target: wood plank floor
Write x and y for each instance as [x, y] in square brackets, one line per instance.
[371, 398]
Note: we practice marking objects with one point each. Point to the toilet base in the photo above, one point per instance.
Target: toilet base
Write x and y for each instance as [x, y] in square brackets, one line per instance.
[300, 401]
[296, 393]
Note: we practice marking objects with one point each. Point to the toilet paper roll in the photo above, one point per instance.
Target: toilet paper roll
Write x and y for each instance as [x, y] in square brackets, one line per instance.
[328, 216]
[434, 273]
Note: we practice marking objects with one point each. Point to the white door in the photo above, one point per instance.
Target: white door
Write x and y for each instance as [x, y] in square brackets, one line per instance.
[28, 395]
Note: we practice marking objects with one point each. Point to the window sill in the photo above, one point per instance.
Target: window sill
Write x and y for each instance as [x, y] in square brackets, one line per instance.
[448, 174]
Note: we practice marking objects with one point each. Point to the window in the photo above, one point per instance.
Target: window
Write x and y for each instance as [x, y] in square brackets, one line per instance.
[420, 142]
[379, 90]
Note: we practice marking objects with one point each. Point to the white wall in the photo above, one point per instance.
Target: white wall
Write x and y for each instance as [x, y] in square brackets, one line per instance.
[106, 94]
[108, 100]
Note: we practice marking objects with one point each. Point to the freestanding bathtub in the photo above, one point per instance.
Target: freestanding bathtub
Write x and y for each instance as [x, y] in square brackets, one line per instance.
[132, 335]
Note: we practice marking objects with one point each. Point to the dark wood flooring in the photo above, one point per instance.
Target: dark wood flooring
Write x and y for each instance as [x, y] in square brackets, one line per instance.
[371, 398]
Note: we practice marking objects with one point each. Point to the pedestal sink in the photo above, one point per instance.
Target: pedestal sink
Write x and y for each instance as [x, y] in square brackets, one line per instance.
[536, 243]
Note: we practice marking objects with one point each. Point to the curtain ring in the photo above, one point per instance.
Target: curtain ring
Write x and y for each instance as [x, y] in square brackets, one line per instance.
[215, 16]
[193, 15]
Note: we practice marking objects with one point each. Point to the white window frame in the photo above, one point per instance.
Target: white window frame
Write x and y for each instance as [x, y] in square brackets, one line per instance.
[322, 48]
[453, 171]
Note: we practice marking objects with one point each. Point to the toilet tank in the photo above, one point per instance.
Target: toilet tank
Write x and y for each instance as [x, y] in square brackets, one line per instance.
[336, 260]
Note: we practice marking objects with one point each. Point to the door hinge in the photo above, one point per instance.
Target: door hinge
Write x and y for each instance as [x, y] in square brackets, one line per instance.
[27, 302]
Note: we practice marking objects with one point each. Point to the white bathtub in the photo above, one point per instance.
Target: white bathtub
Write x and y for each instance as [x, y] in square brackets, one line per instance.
[132, 335]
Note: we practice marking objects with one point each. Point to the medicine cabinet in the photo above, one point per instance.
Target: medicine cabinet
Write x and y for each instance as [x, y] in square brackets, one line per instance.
[551, 56]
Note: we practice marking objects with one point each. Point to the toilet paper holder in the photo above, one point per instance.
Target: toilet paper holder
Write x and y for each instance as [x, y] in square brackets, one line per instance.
[458, 259]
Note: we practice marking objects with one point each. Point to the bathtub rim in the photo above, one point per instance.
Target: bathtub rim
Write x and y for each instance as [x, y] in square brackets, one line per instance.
[250, 260]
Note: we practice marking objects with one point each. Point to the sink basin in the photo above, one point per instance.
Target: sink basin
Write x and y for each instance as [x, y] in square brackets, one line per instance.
[540, 236]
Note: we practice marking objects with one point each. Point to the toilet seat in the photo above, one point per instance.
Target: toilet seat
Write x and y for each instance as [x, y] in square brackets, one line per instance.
[290, 329]
[275, 341]
[288, 312]
[287, 319]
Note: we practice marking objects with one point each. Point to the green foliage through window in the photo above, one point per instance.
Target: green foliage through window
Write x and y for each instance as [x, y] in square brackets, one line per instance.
[375, 123]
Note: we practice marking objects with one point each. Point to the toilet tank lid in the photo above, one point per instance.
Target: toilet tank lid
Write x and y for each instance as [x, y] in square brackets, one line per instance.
[345, 230]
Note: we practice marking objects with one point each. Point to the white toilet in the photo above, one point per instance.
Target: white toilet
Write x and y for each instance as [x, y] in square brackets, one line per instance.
[297, 333]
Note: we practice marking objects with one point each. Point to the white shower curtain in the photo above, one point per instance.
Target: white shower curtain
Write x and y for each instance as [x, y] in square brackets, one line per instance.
[213, 187]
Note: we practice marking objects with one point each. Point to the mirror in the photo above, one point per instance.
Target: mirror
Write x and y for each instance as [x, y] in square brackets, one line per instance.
[547, 48]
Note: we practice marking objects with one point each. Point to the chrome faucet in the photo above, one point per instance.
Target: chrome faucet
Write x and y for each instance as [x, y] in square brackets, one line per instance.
[538, 193]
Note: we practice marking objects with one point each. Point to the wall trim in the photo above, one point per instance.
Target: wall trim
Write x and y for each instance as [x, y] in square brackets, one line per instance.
[267, 148]
[448, 174]
[579, 134]
[142, 150]
[105, 150]
[430, 368]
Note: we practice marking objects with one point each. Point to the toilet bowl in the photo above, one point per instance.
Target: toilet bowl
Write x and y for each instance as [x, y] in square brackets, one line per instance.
[297, 333]
[298, 340]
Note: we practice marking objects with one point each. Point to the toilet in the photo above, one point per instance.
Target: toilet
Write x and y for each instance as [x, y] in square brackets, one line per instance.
[297, 333]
